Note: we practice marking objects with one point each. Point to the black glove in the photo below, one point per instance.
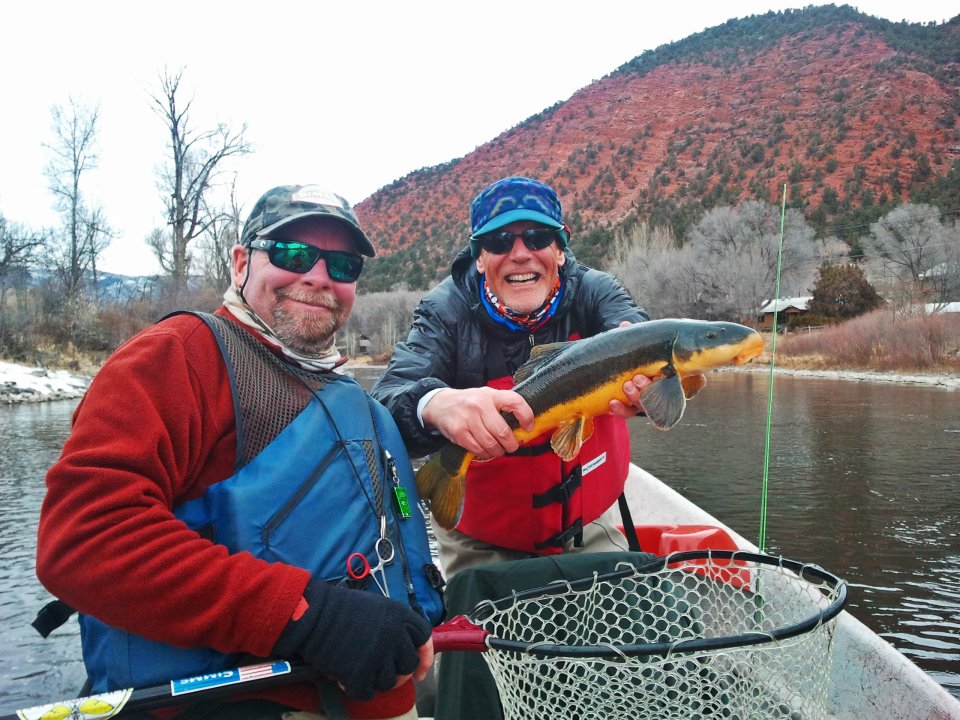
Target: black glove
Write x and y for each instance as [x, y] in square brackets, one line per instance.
[360, 639]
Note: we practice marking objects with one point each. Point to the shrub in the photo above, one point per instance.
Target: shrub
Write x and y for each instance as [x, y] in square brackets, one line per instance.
[883, 340]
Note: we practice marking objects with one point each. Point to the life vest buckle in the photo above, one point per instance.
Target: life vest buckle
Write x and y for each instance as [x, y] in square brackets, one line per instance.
[562, 491]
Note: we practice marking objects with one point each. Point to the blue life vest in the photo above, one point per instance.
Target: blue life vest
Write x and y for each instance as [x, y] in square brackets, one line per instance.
[318, 491]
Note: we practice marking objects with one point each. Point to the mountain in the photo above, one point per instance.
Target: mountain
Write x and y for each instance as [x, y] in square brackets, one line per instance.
[853, 113]
[124, 288]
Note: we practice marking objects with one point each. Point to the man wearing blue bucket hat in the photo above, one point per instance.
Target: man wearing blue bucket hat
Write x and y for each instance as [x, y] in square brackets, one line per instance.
[516, 284]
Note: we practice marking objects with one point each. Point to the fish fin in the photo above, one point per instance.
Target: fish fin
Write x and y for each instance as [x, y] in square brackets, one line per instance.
[538, 351]
[539, 355]
[569, 437]
[692, 384]
[663, 401]
[442, 482]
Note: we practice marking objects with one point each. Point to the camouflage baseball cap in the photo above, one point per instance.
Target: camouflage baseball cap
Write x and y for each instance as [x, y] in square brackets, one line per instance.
[286, 204]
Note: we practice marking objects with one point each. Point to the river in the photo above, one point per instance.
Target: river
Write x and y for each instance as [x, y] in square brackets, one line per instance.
[864, 479]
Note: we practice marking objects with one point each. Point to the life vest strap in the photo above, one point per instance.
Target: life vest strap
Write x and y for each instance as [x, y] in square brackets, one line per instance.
[562, 491]
[574, 531]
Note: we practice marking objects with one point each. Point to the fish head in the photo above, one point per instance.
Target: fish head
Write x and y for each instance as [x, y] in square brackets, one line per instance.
[699, 345]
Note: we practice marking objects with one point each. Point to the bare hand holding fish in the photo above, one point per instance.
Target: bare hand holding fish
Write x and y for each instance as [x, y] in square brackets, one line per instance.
[567, 384]
[473, 419]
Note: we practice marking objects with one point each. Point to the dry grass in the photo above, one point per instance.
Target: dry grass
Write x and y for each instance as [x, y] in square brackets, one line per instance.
[881, 340]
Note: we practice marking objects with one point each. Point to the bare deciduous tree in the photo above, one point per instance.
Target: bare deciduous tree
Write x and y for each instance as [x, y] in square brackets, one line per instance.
[942, 281]
[913, 242]
[16, 250]
[158, 240]
[738, 251]
[214, 259]
[85, 233]
[657, 274]
[195, 163]
[726, 268]
[384, 318]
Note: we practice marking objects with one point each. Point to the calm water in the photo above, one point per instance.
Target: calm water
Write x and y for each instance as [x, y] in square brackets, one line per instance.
[864, 479]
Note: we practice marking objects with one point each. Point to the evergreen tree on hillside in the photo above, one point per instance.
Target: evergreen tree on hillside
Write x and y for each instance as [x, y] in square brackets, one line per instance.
[842, 292]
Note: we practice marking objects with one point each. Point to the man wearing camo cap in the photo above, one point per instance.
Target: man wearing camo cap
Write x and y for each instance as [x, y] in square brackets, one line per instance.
[219, 473]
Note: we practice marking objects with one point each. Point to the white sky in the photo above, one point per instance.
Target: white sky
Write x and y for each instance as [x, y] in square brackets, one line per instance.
[351, 96]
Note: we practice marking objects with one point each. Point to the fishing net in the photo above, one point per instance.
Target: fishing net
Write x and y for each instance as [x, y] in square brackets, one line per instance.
[700, 634]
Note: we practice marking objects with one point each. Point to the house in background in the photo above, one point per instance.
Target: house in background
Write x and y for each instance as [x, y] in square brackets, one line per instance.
[947, 307]
[785, 308]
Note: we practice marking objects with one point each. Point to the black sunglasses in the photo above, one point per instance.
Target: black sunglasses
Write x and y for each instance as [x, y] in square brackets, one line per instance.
[501, 242]
[299, 257]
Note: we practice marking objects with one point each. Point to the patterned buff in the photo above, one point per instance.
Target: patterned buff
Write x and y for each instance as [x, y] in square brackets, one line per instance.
[520, 321]
[328, 359]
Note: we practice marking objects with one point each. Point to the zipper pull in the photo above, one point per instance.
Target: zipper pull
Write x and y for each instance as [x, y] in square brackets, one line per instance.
[400, 499]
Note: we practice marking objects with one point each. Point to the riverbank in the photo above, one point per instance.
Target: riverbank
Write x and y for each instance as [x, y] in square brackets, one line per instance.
[949, 381]
[19, 383]
[946, 381]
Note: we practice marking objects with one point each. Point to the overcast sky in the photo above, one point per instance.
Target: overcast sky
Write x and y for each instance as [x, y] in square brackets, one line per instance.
[351, 95]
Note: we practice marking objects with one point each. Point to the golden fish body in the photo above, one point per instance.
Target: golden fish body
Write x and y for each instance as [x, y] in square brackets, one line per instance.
[568, 384]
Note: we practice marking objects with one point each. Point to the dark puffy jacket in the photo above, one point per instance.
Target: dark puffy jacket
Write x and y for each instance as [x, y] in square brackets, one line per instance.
[454, 343]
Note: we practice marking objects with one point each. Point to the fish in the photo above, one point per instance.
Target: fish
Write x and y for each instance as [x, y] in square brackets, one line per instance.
[567, 384]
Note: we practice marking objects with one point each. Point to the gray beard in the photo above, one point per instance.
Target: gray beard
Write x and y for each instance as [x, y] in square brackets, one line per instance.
[307, 335]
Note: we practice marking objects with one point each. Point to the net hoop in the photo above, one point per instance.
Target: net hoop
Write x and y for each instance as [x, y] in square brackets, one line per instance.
[814, 575]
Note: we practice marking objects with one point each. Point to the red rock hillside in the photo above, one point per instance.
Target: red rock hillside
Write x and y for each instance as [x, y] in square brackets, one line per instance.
[837, 107]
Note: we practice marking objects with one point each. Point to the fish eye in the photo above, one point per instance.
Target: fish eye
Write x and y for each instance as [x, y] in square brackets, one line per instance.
[711, 335]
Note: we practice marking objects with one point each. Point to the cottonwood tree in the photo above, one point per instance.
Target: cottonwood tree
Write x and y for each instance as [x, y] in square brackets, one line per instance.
[659, 275]
[190, 174]
[214, 259]
[913, 242]
[84, 233]
[942, 281]
[17, 245]
[735, 253]
[382, 317]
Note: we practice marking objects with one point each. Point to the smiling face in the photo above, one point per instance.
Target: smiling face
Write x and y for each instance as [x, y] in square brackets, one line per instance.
[522, 278]
[303, 309]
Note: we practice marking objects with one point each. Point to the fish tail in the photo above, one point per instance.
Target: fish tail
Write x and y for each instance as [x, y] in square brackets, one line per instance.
[442, 481]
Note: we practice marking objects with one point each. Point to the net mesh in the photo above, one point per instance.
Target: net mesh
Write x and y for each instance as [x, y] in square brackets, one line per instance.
[650, 625]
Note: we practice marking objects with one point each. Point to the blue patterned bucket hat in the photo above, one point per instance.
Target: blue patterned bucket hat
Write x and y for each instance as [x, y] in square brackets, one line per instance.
[512, 199]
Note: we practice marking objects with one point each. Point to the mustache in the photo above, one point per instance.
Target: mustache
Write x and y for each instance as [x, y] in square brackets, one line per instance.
[320, 299]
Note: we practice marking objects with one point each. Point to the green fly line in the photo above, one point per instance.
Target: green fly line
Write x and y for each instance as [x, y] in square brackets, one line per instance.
[773, 358]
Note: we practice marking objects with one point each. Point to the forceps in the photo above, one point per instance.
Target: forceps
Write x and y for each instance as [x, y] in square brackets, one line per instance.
[358, 567]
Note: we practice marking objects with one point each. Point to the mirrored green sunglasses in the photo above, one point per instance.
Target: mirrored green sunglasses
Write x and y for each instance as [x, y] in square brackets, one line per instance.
[300, 257]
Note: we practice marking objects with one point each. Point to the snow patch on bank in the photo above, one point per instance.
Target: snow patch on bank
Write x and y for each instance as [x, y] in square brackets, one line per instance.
[19, 383]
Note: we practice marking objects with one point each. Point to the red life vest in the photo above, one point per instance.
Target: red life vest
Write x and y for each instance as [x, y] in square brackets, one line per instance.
[533, 501]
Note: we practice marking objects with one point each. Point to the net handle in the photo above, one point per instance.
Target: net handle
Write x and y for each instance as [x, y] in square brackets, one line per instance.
[459, 635]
